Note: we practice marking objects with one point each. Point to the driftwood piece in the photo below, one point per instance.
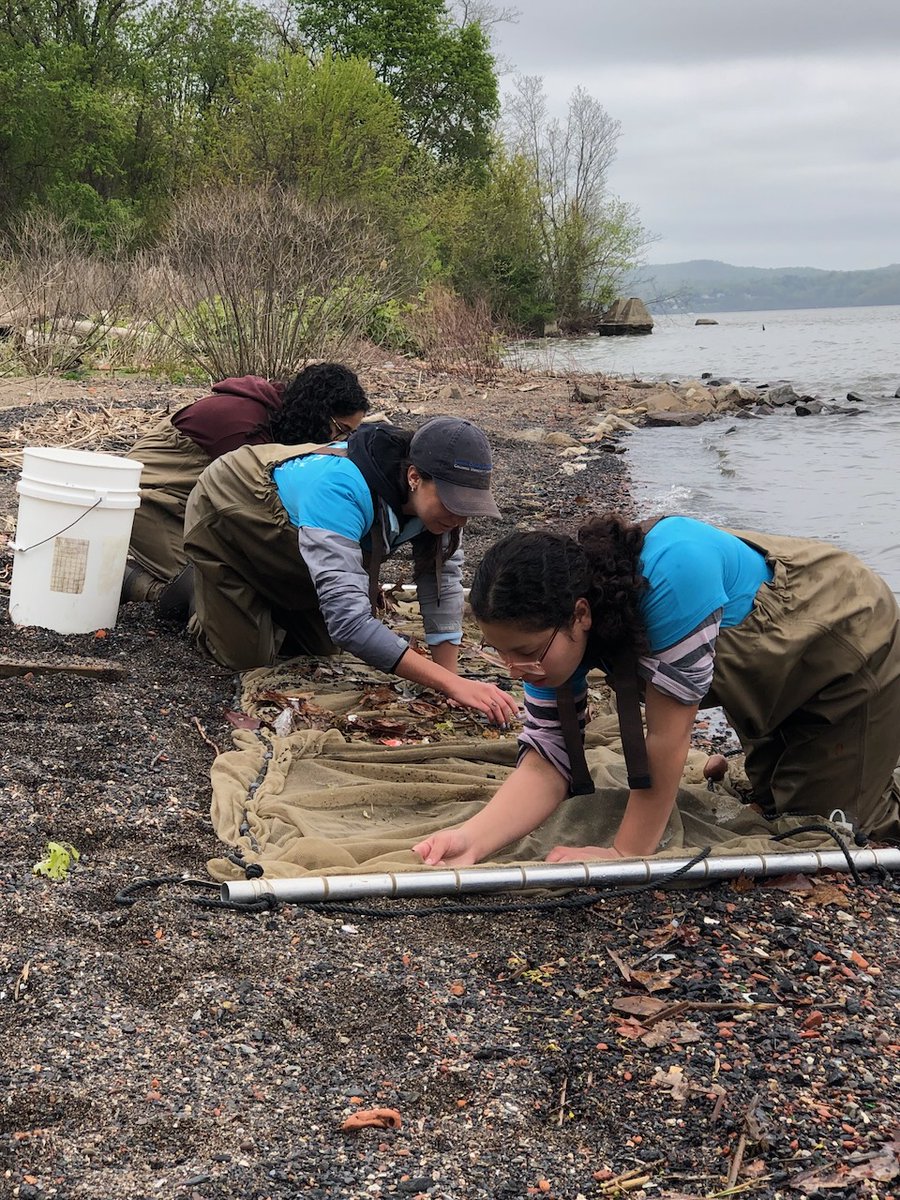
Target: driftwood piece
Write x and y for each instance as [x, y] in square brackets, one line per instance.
[99, 670]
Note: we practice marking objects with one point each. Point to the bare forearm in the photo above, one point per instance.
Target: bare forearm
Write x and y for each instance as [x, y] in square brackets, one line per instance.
[524, 801]
[446, 655]
[430, 672]
[647, 811]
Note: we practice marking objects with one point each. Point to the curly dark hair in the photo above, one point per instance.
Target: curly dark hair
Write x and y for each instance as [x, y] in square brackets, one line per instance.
[534, 580]
[320, 394]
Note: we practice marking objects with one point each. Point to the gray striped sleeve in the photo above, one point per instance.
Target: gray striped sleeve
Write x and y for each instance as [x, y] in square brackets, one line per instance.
[542, 731]
[684, 671]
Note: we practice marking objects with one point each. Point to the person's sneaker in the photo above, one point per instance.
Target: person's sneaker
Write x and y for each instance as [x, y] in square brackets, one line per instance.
[176, 600]
[139, 585]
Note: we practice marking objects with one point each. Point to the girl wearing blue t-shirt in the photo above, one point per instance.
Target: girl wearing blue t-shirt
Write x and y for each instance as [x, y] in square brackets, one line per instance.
[286, 542]
[797, 640]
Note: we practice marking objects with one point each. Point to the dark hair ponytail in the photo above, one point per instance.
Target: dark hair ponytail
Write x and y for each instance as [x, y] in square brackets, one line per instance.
[612, 547]
[535, 579]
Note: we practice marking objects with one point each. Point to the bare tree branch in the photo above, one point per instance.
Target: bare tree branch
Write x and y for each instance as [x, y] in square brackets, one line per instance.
[256, 281]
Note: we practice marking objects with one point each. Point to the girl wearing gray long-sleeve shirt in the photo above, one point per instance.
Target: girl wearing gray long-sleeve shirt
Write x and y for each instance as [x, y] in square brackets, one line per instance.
[282, 544]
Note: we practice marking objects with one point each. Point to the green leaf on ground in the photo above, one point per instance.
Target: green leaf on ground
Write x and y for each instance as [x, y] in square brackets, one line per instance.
[60, 857]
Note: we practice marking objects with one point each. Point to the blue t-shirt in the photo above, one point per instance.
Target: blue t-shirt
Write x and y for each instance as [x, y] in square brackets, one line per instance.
[692, 570]
[324, 491]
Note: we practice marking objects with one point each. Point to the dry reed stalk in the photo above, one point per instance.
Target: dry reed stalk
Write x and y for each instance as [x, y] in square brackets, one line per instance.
[455, 336]
[107, 430]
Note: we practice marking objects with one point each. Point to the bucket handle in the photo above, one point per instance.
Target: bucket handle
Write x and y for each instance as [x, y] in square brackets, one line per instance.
[43, 541]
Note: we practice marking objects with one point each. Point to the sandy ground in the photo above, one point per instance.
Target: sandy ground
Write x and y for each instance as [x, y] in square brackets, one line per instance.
[736, 1040]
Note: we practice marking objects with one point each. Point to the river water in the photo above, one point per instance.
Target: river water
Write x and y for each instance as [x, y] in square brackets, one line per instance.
[834, 476]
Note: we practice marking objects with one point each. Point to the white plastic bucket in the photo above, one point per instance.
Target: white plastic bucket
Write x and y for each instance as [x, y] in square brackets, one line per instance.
[75, 514]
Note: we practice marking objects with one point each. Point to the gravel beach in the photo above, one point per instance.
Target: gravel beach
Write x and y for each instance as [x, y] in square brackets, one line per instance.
[735, 1040]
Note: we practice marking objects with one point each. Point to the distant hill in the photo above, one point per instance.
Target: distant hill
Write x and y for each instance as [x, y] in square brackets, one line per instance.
[704, 285]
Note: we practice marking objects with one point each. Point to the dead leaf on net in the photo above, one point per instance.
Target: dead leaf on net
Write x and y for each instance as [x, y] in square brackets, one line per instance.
[242, 720]
[423, 708]
[377, 698]
[381, 727]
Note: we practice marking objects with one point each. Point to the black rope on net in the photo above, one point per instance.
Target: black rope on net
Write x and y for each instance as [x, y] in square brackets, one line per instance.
[821, 827]
[583, 899]
[129, 894]
[268, 903]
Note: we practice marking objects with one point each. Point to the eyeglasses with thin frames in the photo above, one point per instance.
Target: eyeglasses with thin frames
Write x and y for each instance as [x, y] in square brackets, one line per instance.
[340, 429]
[536, 668]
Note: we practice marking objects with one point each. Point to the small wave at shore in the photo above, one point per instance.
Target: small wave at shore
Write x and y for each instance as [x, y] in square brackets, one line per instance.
[831, 476]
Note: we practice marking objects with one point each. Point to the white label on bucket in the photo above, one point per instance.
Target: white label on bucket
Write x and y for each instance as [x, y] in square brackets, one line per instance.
[69, 569]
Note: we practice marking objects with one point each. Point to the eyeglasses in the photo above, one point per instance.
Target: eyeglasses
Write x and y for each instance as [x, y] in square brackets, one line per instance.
[536, 668]
[341, 428]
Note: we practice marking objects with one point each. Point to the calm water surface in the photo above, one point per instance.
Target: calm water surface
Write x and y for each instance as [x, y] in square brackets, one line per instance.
[832, 476]
[826, 351]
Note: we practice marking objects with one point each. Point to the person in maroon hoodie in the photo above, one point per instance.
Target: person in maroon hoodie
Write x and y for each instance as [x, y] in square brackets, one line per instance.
[324, 402]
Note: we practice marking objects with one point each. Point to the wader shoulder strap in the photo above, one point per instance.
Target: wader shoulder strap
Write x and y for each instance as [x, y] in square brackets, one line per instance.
[376, 555]
[376, 558]
[582, 782]
[647, 525]
[623, 675]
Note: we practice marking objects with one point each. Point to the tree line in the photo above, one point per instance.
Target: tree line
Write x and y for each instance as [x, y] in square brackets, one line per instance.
[113, 113]
[709, 286]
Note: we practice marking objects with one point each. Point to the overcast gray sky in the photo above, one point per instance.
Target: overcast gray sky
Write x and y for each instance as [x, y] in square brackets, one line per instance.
[760, 132]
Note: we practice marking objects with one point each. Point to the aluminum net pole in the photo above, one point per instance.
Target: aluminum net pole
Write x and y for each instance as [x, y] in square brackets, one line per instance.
[438, 881]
